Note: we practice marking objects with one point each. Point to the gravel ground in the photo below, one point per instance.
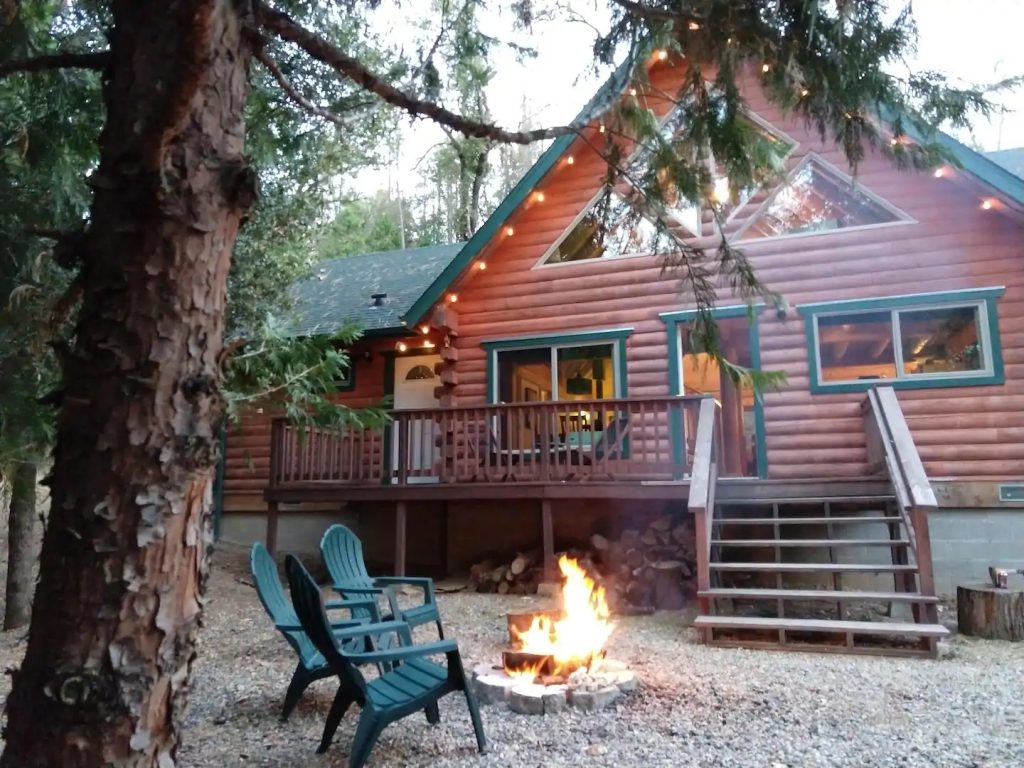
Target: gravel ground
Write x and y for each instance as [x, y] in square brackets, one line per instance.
[698, 706]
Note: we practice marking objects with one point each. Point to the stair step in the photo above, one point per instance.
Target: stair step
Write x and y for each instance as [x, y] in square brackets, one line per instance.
[824, 595]
[806, 520]
[816, 500]
[811, 542]
[815, 567]
[823, 625]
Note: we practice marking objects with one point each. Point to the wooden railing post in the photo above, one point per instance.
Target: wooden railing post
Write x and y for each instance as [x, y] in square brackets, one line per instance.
[401, 423]
[276, 449]
[701, 503]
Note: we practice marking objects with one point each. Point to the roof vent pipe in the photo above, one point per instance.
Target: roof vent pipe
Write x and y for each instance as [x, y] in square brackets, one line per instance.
[378, 299]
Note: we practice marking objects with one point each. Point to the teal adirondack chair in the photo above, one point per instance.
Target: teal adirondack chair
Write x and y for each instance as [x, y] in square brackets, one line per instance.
[311, 665]
[412, 683]
[343, 555]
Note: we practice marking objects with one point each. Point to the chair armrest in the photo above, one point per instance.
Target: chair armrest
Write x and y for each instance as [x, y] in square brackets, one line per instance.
[358, 590]
[332, 605]
[424, 583]
[342, 624]
[368, 630]
[409, 652]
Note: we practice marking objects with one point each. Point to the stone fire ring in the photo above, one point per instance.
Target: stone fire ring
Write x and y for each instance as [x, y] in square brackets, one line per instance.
[587, 690]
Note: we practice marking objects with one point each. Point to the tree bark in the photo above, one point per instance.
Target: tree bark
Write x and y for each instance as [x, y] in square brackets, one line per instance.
[124, 558]
[20, 546]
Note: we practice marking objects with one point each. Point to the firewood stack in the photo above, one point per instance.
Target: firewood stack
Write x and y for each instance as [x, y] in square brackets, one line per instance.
[646, 570]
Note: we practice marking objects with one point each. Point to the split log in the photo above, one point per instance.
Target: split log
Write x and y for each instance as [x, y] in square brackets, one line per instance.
[990, 612]
[521, 562]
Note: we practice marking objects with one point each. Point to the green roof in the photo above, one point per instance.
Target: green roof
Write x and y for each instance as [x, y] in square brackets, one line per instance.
[341, 290]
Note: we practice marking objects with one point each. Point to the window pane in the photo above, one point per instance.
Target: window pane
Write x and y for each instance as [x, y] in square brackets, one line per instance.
[817, 200]
[620, 233]
[524, 375]
[857, 346]
[586, 373]
[940, 340]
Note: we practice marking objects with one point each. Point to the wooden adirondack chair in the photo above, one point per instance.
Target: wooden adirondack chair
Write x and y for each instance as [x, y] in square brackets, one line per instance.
[343, 555]
[413, 682]
[311, 665]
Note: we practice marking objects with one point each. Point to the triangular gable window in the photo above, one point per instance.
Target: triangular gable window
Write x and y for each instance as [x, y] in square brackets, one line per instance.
[620, 232]
[818, 197]
[770, 144]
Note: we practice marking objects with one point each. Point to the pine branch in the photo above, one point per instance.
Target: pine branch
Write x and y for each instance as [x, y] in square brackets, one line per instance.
[282, 25]
[264, 58]
[645, 12]
[96, 60]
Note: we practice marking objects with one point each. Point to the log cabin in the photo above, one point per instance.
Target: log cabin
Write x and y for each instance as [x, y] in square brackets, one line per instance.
[545, 387]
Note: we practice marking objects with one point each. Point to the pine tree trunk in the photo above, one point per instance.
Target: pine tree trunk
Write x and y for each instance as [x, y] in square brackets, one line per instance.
[20, 546]
[124, 558]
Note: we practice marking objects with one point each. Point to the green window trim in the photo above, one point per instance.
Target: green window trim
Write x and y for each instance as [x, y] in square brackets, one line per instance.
[984, 298]
[617, 336]
[672, 322]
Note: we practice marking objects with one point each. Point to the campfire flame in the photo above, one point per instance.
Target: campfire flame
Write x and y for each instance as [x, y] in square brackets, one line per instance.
[576, 639]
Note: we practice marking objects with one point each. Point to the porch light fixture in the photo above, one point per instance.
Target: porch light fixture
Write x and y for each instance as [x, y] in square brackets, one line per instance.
[601, 129]
[509, 231]
[987, 204]
[804, 92]
[765, 67]
[453, 297]
[401, 346]
[540, 197]
[570, 160]
[632, 91]
[424, 329]
[939, 173]
[428, 344]
[481, 265]
[662, 55]
[694, 26]
[720, 190]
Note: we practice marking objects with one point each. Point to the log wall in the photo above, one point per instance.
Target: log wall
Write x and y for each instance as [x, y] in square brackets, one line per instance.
[952, 244]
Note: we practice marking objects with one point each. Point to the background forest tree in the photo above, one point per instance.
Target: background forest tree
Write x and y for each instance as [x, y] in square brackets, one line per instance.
[204, 104]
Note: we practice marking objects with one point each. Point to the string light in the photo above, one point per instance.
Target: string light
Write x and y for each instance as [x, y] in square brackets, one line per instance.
[570, 160]
[481, 265]
[424, 329]
[986, 205]
[693, 25]
[765, 67]
[939, 173]
[453, 297]
[804, 92]
[540, 197]
[662, 55]
[401, 346]
[428, 344]
[601, 129]
[632, 91]
[509, 231]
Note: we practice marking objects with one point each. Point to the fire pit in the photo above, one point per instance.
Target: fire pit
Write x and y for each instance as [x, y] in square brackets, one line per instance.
[556, 658]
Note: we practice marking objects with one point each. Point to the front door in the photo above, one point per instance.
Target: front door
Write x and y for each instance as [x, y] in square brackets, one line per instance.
[739, 411]
[415, 382]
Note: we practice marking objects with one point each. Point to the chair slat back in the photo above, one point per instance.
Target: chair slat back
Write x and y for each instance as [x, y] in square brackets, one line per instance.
[343, 555]
[309, 606]
[275, 601]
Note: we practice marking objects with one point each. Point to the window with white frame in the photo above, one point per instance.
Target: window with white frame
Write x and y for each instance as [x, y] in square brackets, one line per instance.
[613, 233]
[907, 341]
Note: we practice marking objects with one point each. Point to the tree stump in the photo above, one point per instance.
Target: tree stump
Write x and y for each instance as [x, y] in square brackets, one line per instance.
[987, 611]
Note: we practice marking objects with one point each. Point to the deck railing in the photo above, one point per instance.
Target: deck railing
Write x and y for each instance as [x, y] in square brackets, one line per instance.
[703, 479]
[637, 439]
[891, 449]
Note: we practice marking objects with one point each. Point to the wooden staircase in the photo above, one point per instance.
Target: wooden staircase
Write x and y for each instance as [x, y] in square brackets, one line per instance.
[840, 565]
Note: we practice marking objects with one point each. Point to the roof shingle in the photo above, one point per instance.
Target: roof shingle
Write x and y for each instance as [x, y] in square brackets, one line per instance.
[340, 290]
